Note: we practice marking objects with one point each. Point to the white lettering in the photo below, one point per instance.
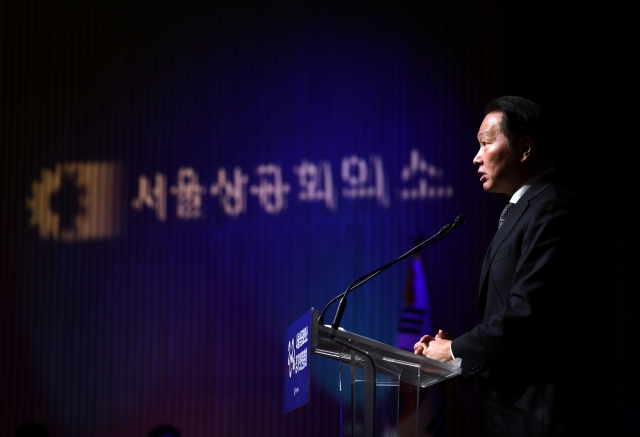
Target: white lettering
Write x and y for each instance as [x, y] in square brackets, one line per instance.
[365, 180]
[302, 337]
[301, 361]
[232, 193]
[272, 191]
[189, 194]
[415, 177]
[154, 197]
[316, 183]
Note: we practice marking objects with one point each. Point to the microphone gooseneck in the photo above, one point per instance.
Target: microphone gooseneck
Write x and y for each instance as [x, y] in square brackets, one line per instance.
[445, 230]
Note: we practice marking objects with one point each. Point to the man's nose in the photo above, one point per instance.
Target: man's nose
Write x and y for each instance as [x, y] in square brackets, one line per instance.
[477, 160]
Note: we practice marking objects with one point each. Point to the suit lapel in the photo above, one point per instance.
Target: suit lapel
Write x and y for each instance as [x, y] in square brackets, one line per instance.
[512, 219]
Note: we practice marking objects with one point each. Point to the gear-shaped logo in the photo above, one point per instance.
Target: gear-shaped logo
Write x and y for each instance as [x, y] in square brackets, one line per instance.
[42, 216]
[291, 358]
[78, 201]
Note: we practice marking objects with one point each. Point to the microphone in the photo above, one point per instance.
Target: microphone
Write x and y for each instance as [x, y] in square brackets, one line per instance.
[459, 220]
[444, 231]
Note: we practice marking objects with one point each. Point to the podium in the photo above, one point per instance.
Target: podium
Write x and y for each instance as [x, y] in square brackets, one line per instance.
[371, 375]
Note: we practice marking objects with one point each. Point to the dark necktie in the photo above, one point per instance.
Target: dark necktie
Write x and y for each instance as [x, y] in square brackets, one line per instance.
[505, 213]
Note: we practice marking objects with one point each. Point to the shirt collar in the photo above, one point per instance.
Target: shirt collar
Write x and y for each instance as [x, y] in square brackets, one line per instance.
[523, 189]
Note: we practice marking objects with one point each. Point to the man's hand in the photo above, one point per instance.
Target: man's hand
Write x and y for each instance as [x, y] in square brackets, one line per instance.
[421, 345]
[437, 348]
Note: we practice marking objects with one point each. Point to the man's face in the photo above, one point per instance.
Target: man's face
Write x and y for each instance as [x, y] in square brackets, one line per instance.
[497, 161]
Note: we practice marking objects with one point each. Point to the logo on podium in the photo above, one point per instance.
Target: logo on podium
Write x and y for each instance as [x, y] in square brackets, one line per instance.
[297, 377]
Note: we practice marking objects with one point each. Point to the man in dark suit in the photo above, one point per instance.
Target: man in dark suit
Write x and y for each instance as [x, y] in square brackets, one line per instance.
[523, 347]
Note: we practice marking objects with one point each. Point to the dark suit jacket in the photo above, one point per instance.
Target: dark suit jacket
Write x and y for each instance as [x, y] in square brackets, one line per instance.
[527, 305]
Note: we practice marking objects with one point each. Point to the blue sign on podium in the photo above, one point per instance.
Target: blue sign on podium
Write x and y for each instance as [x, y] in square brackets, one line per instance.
[297, 378]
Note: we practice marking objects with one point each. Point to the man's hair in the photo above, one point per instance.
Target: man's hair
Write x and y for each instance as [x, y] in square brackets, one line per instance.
[522, 118]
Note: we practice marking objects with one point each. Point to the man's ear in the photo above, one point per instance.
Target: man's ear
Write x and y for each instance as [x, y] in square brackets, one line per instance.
[526, 145]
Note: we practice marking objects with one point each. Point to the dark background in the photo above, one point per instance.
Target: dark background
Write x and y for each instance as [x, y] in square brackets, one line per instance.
[183, 321]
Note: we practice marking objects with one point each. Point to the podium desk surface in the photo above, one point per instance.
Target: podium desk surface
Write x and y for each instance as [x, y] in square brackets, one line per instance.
[390, 360]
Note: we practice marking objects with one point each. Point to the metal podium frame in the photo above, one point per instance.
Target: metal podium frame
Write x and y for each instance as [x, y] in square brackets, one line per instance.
[377, 359]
